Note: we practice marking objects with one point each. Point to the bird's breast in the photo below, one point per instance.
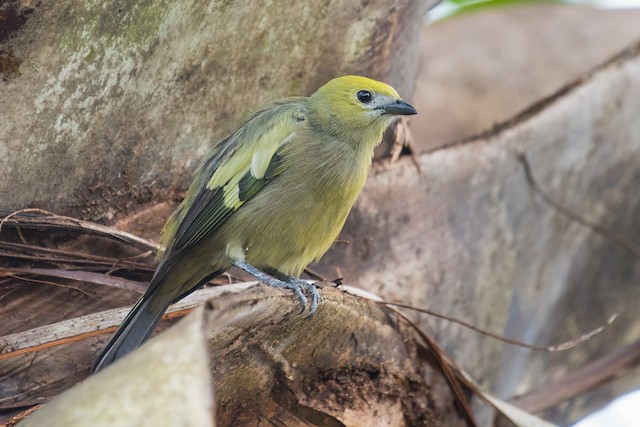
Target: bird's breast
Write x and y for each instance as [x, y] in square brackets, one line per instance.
[296, 217]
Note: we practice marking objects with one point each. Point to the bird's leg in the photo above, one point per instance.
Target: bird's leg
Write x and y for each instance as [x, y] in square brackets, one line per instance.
[309, 287]
[296, 286]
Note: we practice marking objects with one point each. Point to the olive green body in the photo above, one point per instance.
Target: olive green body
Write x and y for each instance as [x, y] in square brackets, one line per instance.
[274, 195]
[293, 220]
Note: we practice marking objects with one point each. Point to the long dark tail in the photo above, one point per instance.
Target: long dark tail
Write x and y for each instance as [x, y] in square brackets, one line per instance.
[134, 330]
[142, 320]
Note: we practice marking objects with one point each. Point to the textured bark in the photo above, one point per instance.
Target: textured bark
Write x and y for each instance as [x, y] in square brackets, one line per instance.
[165, 383]
[353, 363]
[115, 103]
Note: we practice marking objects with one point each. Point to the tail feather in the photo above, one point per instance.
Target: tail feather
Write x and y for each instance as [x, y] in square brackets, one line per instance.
[143, 318]
[134, 330]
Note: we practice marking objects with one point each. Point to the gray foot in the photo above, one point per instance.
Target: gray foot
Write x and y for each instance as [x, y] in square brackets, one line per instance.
[281, 280]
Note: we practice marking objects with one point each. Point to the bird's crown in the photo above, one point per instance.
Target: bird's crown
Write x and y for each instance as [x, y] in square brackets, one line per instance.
[352, 84]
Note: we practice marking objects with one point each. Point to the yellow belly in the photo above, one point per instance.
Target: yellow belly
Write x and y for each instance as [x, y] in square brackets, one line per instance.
[295, 219]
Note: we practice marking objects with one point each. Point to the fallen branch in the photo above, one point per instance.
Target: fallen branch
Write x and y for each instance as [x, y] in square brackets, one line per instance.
[83, 327]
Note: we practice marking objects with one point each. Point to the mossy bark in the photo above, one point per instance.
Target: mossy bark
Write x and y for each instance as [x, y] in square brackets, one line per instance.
[116, 103]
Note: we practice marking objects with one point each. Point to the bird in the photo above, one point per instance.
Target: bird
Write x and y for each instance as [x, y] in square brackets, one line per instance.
[269, 199]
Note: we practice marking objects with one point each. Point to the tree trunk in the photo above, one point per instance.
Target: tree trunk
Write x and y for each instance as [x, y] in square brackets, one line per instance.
[114, 104]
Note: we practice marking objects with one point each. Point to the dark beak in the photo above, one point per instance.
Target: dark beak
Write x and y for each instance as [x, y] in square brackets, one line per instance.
[399, 108]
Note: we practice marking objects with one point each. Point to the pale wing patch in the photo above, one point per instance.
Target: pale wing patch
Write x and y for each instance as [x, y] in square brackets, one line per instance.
[257, 158]
[225, 180]
[265, 151]
[260, 162]
[232, 192]
[233, 167]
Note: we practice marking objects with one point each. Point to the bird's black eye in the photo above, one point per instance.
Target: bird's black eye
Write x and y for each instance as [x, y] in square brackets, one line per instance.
[364, 96]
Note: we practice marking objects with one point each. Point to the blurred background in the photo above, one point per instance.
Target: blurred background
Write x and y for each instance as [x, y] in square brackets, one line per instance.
[483, 62]
[107, 108]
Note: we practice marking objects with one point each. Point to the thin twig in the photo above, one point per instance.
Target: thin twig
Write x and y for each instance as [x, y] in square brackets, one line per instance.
[71, 256]
[580, 380]
[458, 378]
[447, 367]
[46, 282]
[314, 274]
[38, 218]
[531, 110]
[116, 265]
[79, 276]
[26, 371]
[607, 233]
[21, 236]
[22, 415]
[553, 348]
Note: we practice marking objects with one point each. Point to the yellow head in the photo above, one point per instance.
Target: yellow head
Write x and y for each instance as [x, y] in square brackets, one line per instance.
[356, 108]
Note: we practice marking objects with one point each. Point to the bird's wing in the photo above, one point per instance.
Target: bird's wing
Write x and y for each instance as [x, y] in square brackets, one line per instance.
[239, 168]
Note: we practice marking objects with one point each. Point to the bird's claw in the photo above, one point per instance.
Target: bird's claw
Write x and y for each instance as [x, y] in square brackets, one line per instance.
[315, 298]
[280, 280]
[297, 290]
[299, 287]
